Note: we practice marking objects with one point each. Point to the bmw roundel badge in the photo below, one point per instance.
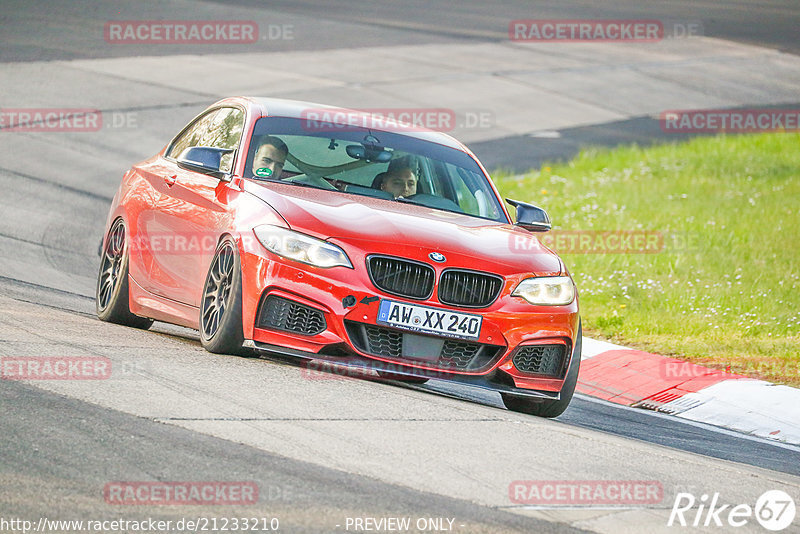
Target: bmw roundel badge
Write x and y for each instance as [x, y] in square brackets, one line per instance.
[438, 257]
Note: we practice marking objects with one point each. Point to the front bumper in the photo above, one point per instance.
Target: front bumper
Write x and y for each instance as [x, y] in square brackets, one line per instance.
[363, 366]
[348, 302]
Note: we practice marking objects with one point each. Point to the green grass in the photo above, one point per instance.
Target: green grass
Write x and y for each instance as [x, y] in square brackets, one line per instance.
[730, 298]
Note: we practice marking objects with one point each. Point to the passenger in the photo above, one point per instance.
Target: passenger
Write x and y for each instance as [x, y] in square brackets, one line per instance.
[400, 182]
[269, 159]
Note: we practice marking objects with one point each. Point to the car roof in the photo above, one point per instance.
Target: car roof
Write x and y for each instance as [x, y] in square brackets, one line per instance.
[279, 107]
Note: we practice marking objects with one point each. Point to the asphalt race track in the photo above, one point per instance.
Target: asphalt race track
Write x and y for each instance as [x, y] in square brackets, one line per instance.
[322, 449]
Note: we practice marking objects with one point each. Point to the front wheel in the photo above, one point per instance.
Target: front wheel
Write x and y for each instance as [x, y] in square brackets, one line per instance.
[221, 306]
[547, 408]
[111, 295]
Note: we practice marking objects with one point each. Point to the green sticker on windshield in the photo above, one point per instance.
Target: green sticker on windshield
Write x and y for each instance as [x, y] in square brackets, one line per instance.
[264, 172]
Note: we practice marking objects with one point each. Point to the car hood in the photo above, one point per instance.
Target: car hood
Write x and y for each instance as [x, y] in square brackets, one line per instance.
[377, 225]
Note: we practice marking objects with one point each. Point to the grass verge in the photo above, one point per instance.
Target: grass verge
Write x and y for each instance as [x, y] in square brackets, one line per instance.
[713, 277]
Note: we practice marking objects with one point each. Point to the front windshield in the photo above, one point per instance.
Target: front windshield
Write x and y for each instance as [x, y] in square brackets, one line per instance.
[370, 163]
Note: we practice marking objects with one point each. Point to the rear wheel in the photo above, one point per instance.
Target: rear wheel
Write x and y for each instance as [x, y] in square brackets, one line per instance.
[111, 296]
[221, 307]
[547, 408]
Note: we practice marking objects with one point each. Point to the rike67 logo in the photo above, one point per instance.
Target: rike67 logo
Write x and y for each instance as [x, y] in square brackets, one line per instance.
[774, 510]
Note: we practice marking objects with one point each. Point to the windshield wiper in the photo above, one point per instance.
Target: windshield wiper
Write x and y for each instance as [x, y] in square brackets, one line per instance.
[411, 201]
[301, 184]
[432, 201]
[312, 180]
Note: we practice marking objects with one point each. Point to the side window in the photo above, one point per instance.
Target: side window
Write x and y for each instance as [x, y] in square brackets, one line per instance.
[220, 128]
[464, 197]
[472, 194]
[225, 131]
[191, 137]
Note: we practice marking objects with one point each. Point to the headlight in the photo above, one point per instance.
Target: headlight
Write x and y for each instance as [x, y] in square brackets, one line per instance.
[301, 247]
[547, 291]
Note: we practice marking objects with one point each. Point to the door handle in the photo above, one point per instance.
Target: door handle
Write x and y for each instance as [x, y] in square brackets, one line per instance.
[170, 180]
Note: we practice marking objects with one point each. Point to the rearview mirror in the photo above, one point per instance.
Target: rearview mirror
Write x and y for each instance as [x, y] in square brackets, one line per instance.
[205, 159]
[368, 153]
[530, 217]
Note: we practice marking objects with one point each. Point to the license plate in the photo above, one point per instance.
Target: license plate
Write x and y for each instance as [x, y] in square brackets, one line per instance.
[429, 320]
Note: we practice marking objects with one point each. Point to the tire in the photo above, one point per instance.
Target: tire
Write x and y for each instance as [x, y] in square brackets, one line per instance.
[546, 408]
[111, 295]
[221, 306]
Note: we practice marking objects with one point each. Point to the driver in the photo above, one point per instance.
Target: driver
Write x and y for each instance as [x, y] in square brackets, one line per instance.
[269, 159]
[400, 182]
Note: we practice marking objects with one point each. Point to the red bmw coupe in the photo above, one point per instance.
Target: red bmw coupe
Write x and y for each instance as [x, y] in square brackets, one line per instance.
[342, 236]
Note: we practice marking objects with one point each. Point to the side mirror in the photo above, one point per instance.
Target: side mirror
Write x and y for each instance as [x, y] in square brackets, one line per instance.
[530, 217]
[205, 159]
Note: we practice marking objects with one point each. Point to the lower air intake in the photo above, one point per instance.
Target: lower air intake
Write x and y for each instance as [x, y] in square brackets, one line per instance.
[432, 351]
[278, 313]
[546, 360]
